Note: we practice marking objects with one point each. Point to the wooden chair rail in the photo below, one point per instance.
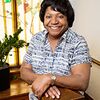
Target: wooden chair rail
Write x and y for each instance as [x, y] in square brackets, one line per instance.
[67, 94]
[19, 91]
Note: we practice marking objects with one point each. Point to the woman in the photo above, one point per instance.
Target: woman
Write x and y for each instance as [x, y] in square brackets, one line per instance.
[56, 56]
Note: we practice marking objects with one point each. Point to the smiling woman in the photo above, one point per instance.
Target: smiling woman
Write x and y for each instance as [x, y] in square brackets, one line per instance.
[56, 56]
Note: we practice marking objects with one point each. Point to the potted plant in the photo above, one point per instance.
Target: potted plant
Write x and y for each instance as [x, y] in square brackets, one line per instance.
[9, 42]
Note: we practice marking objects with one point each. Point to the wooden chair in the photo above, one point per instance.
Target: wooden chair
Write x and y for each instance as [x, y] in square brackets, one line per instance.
[67, 94]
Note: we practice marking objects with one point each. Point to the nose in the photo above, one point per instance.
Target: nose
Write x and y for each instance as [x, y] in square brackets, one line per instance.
[54, 20]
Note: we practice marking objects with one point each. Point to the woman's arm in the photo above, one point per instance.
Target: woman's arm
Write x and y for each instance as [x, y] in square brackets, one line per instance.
[27, 74]
[78, 79]
[39, 82]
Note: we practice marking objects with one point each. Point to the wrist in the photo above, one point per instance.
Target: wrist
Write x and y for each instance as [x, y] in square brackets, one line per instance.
[53, 78]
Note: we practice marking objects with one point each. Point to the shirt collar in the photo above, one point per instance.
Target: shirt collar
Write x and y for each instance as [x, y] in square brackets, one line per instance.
[62, 37]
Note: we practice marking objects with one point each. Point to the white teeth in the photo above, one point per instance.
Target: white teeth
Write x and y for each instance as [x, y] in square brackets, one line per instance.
[54, 27]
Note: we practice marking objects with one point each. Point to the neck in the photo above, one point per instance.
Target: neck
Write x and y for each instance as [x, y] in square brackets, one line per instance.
[53, 43]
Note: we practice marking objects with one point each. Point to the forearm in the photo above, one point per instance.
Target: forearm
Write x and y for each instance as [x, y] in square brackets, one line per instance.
[75, 82]
[28, 75]
[78, 80]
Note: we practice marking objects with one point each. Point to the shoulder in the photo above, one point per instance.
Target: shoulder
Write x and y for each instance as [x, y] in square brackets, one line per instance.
[38, 37]
[73, 37]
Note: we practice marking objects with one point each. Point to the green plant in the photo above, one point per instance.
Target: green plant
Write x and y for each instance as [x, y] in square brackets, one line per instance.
[9, 42]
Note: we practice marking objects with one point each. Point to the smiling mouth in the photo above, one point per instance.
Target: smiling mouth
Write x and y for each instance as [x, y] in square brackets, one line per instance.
[55, 27]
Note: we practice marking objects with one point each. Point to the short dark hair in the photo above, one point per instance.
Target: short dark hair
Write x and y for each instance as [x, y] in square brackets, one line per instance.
[63, 6]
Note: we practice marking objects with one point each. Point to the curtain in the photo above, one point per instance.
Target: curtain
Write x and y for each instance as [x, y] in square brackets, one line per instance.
[27, 18]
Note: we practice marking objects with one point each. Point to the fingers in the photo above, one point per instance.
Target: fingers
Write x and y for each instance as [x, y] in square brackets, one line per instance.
[56, 89]
[46, 94]
[53, 92]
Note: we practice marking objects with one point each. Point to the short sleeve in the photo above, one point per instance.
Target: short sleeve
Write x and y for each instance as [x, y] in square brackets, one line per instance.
[28, 56]
[81, 53]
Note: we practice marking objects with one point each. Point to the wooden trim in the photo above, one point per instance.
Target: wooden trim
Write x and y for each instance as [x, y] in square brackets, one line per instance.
[87, 97]
[4, 18]
[96, 61]
[14, 28]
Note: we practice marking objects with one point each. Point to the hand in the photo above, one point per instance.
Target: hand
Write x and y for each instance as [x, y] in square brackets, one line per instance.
[53, 92]
[40, 84]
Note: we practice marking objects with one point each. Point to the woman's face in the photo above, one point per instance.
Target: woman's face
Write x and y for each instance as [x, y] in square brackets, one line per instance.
[55, 22]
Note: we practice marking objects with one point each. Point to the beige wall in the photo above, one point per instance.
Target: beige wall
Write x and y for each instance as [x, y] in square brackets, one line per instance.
[87, 23]
[94, 85]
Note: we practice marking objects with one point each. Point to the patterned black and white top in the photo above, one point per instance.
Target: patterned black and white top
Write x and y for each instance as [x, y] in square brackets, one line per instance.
[71, 50]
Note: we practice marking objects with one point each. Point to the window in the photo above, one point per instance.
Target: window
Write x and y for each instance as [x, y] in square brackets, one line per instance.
[19, 13]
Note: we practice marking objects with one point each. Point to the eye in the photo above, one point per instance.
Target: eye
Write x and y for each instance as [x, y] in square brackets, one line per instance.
[48, 16]
[61, 16]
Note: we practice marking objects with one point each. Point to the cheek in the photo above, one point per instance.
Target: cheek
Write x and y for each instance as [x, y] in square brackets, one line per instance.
[45, 22]
[65, 23]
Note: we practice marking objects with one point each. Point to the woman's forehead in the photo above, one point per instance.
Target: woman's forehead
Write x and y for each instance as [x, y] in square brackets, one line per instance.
[52, 9]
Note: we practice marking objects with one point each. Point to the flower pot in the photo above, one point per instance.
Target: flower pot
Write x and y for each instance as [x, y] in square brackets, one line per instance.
[4, 78]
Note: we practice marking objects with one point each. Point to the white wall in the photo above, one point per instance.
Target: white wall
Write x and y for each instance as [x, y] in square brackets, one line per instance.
[94, 85]
[87, 23]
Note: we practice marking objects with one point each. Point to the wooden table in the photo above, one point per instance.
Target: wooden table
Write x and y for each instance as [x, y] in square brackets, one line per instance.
[19, 91]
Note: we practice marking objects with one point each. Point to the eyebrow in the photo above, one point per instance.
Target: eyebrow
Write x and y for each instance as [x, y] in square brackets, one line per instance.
[51, 13]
